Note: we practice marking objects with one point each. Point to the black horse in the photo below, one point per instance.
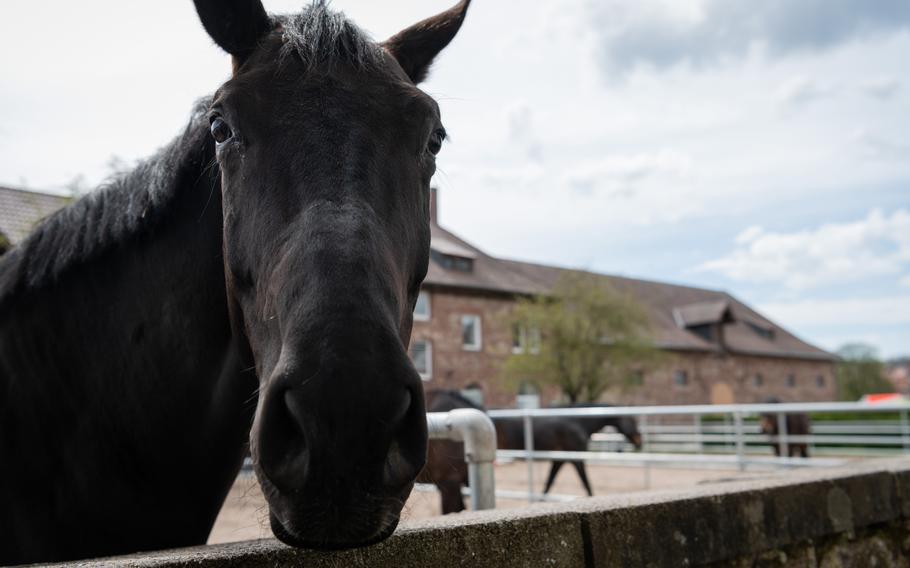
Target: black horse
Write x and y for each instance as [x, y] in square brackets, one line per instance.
[254, 281]
[564, 434]
[798, 424]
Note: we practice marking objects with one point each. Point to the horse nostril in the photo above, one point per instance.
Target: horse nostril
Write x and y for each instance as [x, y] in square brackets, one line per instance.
[407, 451]
[283, 450]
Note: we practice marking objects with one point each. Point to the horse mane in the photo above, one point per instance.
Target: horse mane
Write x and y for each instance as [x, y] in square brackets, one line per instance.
[122, 208]
[320, 36]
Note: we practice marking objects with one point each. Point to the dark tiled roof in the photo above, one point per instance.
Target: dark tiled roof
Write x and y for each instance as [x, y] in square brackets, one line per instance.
[20, 210]
[663, 302]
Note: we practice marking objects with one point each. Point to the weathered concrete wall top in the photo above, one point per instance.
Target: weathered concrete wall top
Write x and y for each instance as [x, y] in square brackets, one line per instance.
[854, 516]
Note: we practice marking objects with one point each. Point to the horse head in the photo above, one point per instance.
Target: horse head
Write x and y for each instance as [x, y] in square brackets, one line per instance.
[325, 148]
[628, 426]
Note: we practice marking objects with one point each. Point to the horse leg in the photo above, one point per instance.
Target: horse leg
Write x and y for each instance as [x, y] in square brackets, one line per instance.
[580, 468]
[450, 492]
[554, 468]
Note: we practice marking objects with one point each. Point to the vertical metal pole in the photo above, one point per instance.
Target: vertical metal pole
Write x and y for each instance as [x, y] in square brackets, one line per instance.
[905, 430]
[643, 430]
[643, 427]
[483, 485]
[529, 454]
[740, 446]
[782, 435]
[699, 438]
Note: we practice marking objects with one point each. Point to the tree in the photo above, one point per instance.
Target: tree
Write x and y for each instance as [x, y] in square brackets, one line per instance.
[583, 337]
[860, 372]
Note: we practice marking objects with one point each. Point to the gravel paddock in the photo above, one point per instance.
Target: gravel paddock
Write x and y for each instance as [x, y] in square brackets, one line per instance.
[244, 515]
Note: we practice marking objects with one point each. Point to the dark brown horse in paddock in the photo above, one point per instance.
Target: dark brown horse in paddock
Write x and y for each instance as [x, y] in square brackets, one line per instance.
[564, 434]
[798, 424]
[447, 469]
[253, 283]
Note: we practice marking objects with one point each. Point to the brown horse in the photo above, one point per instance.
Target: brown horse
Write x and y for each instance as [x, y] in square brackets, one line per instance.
[798, 424]
[446, 467]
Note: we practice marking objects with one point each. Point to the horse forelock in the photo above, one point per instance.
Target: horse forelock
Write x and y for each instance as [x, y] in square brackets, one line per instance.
[123, 207]
[321, 36]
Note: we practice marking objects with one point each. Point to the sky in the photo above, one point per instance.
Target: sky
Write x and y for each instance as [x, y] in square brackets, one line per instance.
[762, 148]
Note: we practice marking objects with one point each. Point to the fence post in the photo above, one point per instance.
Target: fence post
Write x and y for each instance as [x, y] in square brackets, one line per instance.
[783, 444]
[740, 446]
[643, 429]
[905, 430]
[529, 454]
[475, 429]
[699, 438]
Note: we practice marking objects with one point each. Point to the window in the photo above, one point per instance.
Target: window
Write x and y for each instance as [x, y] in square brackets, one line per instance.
[763, 331]
[525, 339]
[820, 381]
[470, 333]
[791, 380]
[452, 262]
[758, 380]
[422, 357]
[519, 338]
[422, 307]
[680, 378]
[705, 331]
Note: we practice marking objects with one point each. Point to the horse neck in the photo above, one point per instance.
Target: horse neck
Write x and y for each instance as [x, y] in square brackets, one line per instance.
[592, 424]
[137, 328]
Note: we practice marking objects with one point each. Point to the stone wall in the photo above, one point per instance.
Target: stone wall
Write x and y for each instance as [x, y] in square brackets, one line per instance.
[711, 378]
[857, 516]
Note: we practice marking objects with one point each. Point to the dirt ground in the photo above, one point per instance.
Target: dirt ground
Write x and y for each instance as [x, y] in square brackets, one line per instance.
[245, 515]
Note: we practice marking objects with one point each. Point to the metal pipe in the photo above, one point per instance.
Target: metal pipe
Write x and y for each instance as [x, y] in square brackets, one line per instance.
[740, 445]
[784, 444]
[529, 448]
[770, 408]
[475, 429]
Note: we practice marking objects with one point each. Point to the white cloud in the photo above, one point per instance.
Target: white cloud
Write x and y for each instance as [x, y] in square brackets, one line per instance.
[905, 281]
[702, 33]
[749, 235]
[876, 246]
[800, 91]
[880, 147]
[880, 311]
[881, 88]
[622, 173]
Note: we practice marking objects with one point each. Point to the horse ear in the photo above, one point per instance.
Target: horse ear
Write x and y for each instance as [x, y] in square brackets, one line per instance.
[415, 47]
[235, 25]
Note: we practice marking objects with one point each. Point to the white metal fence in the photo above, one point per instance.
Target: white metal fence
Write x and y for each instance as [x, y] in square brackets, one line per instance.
[724, 436]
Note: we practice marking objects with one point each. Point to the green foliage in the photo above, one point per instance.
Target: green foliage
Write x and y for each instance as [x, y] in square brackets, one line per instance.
[591, 338]
[5, 245]
[860, 372]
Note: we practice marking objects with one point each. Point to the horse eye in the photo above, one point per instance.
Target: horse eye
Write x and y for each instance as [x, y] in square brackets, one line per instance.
[221, 132]
[434, 145]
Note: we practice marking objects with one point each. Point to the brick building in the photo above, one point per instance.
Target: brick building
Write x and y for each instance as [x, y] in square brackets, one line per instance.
[716, 348]
[21, 209]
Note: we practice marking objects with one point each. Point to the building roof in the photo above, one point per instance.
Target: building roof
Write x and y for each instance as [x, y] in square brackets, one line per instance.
[20, 210]
[672, 309]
